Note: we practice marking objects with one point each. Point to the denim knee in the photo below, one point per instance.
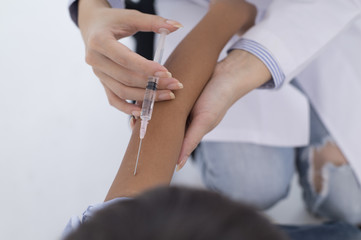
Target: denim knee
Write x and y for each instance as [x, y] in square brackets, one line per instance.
[340, 196]
[260, 194]
[249, 173]
[334, 230]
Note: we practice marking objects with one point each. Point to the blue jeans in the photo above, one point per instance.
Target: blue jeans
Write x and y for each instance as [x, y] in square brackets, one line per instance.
[326, 231]
[261, 175]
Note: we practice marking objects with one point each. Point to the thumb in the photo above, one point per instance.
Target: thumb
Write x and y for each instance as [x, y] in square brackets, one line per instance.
[194, 134]
[149, 22]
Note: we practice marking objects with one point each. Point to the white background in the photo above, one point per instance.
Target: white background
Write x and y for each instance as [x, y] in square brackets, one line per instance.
[60, 141]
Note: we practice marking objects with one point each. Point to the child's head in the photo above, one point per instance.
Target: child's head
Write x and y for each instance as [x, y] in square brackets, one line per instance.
[177, 214]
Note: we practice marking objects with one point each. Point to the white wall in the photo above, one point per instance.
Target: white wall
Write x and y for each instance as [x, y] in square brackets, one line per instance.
[60, 141]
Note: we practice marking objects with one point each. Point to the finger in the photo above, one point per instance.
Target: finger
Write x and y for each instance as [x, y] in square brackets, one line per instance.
[120, 90]
[120, 104]
[169, 83]
[148, 22]
[106, 42]
[117, 72]
[130, 60]
[194, 134]
[108, 46]
[130, 93]
[127, 77]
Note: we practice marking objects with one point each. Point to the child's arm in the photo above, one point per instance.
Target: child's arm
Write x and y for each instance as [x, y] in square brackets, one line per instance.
[192, 62]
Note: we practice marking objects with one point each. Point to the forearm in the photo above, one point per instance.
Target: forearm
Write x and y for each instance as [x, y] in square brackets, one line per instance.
[245, 71]
[192, 62]
[196, 56]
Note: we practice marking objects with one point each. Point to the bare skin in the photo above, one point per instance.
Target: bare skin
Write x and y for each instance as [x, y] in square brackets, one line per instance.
[235, 76]
[328, 153]
[162, 144]
[122, 72]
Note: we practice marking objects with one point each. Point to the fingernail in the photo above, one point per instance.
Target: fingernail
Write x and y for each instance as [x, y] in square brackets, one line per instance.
[166, 96]
[174, 23]
[173, 86]
[182, 163]
[136, 113]
[163, 74]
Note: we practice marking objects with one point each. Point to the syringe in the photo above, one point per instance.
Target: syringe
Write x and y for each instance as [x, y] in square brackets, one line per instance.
[150, 92]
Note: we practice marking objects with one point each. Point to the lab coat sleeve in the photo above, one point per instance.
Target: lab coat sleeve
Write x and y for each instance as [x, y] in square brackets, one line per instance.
[267, 58]
[73, 8]
[294, 32]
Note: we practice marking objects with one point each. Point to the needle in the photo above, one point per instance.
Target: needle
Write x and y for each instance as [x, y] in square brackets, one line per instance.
[136, 164]
[150, 92]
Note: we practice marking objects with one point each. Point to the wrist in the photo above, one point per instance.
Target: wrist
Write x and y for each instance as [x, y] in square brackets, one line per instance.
[246, 71]
[87, 11]
[93, 4]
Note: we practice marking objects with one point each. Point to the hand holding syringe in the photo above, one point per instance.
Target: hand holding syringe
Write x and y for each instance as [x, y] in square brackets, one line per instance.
[150, 92]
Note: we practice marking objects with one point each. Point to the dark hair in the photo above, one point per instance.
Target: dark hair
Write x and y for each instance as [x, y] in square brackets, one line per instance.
[174, 213]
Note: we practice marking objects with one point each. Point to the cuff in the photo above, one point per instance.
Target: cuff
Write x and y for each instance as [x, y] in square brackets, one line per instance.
[73, 10]
[266, 57]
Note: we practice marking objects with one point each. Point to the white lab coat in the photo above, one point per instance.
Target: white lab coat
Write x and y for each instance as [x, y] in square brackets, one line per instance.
[317, 41]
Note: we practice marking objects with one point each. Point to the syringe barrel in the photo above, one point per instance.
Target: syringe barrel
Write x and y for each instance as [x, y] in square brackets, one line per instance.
[149, 97]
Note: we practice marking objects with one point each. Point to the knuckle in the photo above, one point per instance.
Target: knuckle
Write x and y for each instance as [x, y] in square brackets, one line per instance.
[96, 72]
[123, 79]
[122, 60]
[93, 42]
[126, 81]
[127, 59]
[133, 12]
[156, 21]
[90, 58]
[112, 101]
